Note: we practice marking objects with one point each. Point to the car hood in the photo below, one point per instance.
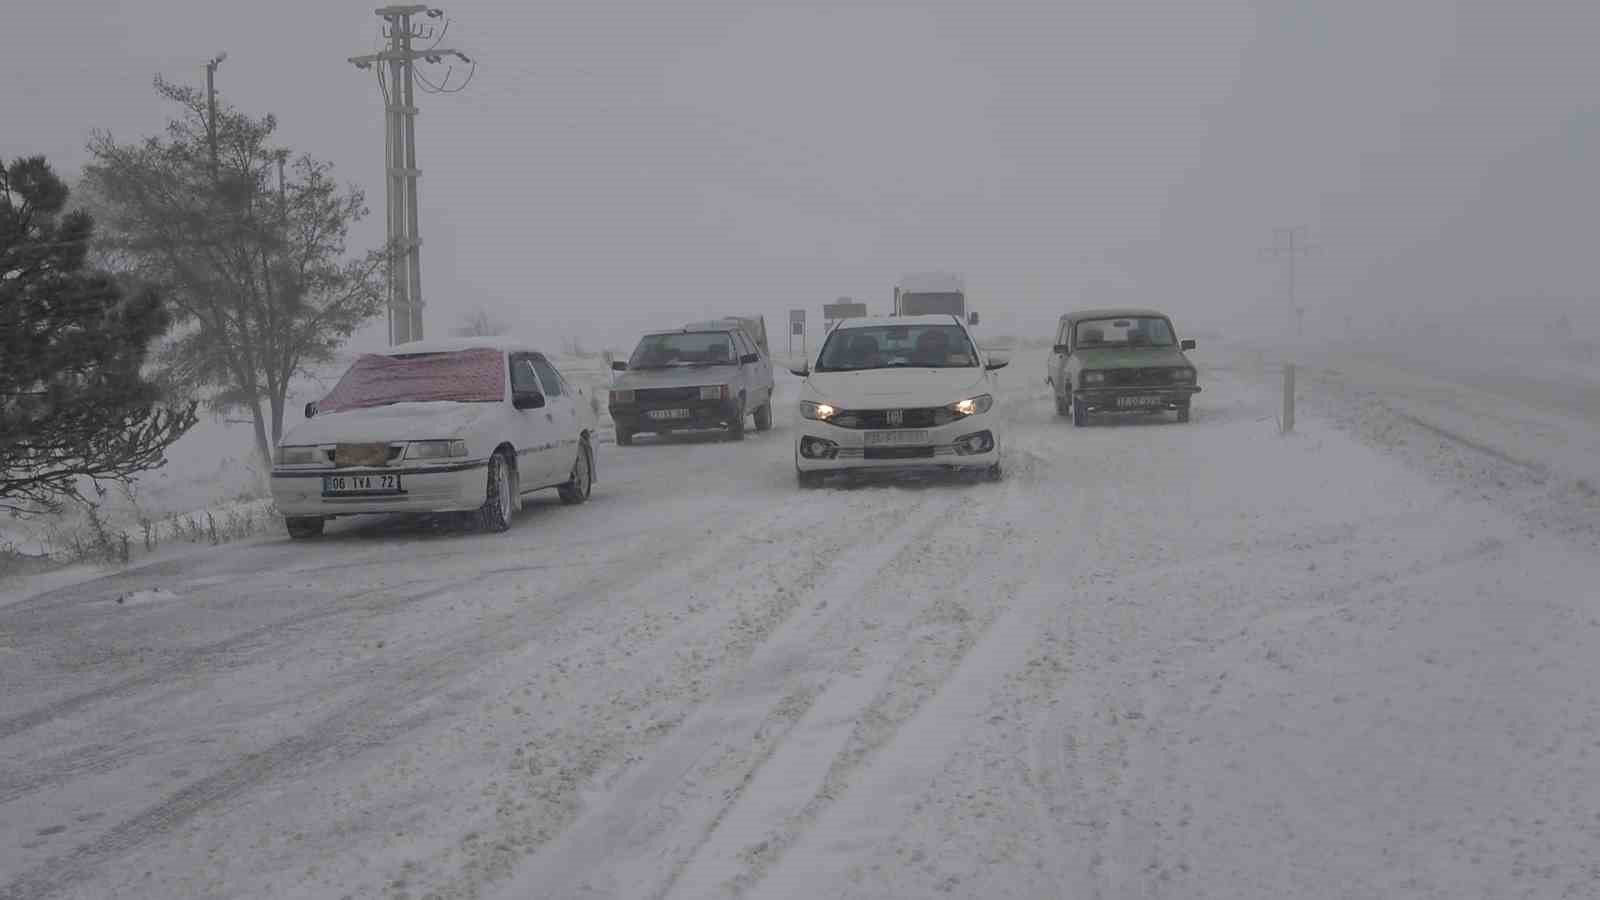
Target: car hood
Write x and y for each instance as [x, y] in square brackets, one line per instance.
[678, 376]
[887, 388]
[1126, 358]
[395, 422]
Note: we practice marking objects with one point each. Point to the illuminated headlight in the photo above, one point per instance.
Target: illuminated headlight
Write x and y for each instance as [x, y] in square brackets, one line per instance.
[297, 456]
[436, 449]
[1094, 377]
[624, 396]
[714, 392]
[972, 405]
[817, 412]
[1183, 375]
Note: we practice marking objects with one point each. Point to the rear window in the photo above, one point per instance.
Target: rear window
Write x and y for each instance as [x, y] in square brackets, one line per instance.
[463, 376]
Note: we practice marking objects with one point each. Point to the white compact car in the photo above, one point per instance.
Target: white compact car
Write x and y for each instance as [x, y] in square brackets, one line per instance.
[907, 392]
[460, 425]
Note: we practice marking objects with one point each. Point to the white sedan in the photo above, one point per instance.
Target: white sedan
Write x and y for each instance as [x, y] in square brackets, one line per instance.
[907, 392]
[462, 425]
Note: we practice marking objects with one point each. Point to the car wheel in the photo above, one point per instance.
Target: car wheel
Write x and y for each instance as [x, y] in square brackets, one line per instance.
[736, 427]
[1183, 413]
[495, 514]
[303, 527]
[577, 488]
[1080, 414]
[624, 436]
[764, 417]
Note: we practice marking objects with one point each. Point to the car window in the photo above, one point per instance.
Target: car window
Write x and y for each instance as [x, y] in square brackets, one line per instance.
[897, 346]
[694, 348]
[523, 376]
[548, 375]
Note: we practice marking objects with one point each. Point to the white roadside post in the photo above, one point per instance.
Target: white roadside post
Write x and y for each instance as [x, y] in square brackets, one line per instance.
[1288, 398]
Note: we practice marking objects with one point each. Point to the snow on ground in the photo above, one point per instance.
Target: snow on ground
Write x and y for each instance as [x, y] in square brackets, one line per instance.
[1155, 661]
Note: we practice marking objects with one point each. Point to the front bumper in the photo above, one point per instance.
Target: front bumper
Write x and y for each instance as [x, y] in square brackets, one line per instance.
[1111, 399]
[701, 414]
[446, 487]
[944, 448]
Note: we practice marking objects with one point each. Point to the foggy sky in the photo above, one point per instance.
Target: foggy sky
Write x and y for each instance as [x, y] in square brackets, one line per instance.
[616, 166]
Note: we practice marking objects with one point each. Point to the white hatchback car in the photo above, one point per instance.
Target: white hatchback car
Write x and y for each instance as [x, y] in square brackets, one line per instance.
[460, 425]
[907, 392]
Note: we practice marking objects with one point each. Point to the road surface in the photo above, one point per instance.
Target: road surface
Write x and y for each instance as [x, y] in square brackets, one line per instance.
[1156, 660]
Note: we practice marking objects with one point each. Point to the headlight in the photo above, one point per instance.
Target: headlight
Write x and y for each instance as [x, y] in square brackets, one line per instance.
[1184, 375]
[714, 392]
[1094, 377]
[817, 412]
[436, 449]
[972, 405]
[624, 396]
[297, 456]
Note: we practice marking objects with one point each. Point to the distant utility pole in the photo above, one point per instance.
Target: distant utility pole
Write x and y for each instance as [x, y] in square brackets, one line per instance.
[211, 104]
[1288, 244]
[400, 143]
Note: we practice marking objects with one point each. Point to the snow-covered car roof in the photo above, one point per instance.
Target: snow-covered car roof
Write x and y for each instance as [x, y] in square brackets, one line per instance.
[1116, 312]
[503, 344]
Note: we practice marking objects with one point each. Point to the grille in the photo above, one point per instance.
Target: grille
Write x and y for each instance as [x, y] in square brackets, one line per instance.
[394, 453]
[666, 395]
[1127, 377]
[922, 417]
[897, 453]
[863, 453]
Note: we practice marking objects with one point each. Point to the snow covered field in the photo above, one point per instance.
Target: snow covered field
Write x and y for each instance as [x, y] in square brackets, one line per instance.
[1155, 661]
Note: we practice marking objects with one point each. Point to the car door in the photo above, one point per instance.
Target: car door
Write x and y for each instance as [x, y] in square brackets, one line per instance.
[536, 428]
[756, 376]
[563, 409]
[1056, 362]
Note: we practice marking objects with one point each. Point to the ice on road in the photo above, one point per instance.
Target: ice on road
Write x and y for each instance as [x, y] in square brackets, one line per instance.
[1157, 660]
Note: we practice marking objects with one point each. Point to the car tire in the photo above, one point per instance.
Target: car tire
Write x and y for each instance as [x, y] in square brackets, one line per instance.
[1183, 413]
[764, 417]
[624, 436]
[736, 427]
[577, 488]
[1080, 414]
[302, 528]
[495, 514]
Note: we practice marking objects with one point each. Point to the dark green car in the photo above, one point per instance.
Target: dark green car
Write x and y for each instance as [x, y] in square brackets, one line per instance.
[1120, 361]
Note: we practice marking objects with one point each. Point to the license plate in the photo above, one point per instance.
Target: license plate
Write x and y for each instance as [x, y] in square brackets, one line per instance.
[895, 438]
[362, 485]
[668, 413]
[1143, 400]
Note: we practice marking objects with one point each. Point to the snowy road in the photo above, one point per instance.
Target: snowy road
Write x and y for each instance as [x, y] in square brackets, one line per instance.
[1155, 661]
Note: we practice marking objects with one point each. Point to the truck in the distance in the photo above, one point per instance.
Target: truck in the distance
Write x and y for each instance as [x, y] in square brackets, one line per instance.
[933, 293]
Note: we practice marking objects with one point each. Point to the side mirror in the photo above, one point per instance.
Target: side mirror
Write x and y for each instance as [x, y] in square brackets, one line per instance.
[1059, 348]
[527, 400]
[1187, 345]
[803, 370]
[972, 318]
[749, 359]
[618, 365]
[311, 409]
[997, 361]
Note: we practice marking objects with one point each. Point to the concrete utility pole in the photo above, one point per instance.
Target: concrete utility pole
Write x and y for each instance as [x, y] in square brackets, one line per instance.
[211, 104]
[1288, 244]
[400, 140]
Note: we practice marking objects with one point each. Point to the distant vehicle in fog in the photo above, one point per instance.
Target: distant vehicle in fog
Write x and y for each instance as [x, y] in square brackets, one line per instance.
[706, 375]
[1120, 360]
[906, 392]
[458, 425]
[933, 293]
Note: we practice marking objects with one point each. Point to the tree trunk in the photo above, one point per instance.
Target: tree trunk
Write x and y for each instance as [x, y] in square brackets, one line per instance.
[262, 446]
[276, 403]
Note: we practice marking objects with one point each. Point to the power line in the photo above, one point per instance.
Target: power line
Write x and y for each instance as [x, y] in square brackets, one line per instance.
[1288, 244]
[400, 152]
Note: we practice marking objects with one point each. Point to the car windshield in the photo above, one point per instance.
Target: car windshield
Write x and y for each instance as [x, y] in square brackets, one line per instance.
[691, 348]
[1126, 331]
[897, 346]
[464, 376]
